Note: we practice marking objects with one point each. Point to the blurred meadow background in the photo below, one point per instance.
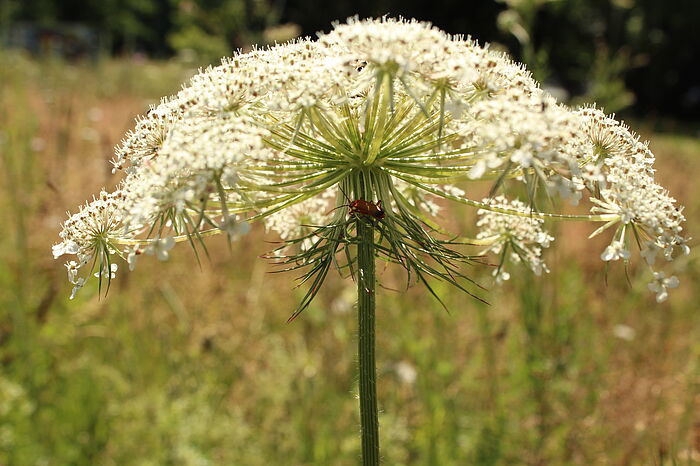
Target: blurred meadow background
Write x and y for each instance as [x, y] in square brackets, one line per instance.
[190, 365]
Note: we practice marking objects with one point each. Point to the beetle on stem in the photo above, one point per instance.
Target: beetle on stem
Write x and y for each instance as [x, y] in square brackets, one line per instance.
[363, 207]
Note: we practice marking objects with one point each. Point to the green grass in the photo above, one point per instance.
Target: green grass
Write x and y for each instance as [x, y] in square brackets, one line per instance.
[185, 366]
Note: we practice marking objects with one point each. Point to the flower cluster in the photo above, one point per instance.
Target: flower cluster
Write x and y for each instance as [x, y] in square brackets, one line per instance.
[648, 215]
[375, 121]
[194, 154]
[91, 235]
[520, 238]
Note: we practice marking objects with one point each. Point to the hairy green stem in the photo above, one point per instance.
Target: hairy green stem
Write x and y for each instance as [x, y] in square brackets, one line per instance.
[368, 374]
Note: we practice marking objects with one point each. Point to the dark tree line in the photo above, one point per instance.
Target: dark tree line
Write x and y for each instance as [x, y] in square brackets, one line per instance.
[621, 53]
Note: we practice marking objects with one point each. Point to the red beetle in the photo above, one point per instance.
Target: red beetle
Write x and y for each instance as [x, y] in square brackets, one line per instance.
[368, 208]
[362, 207]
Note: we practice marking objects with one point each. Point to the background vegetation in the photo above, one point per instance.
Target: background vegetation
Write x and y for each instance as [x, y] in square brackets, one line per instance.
[190, 367]
[619, 53]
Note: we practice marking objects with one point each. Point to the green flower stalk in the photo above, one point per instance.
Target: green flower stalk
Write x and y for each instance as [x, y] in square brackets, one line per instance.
[343, 146]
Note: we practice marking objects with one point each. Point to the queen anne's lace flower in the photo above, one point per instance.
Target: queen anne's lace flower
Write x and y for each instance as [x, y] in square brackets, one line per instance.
[91, 235]
[378, 119]
[91, 231]
[521, 238]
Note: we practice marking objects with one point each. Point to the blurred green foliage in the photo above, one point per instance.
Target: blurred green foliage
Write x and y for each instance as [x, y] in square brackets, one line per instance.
[211, 29]
[193, 367]
[617, 53]
[122, 24]
[598, 73]
[612, 52]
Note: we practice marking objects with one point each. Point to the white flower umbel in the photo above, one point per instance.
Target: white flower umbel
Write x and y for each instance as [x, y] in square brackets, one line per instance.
[519, 239]
[93, 235]
[389, 112]
[347, 146]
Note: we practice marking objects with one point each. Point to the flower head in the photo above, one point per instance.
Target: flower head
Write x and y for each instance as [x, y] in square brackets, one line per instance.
[374, 122]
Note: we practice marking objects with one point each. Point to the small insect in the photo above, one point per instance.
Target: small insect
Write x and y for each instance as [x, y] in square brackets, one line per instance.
[362, 207]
